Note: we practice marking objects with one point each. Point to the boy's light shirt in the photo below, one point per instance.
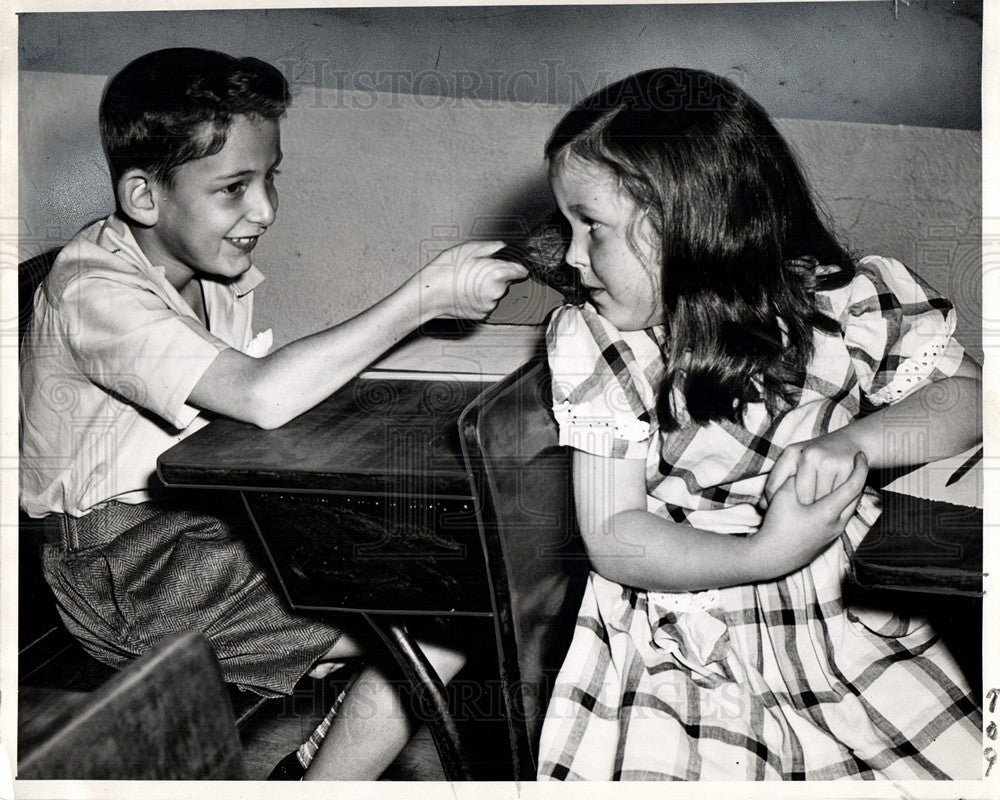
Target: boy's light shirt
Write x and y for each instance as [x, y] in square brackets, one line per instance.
[100, 447]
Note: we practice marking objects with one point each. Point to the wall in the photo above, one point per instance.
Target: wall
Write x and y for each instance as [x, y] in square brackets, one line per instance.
[843, 61]
[373, 185]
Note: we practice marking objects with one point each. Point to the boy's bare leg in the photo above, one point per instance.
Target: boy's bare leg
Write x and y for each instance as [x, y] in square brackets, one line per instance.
[372, 726]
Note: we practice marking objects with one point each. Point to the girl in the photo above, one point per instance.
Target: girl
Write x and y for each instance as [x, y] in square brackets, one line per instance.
[725, 390]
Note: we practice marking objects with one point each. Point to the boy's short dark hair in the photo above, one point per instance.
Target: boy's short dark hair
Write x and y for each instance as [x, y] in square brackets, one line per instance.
[172, 106]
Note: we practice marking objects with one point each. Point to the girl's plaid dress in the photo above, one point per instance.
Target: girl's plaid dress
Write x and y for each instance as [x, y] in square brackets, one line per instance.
[777, 680]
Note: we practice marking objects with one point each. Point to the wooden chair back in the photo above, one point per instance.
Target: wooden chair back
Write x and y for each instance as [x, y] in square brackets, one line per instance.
[30, 274]
[536, 563]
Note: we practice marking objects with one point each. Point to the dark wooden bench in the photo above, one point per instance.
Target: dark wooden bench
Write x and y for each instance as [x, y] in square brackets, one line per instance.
[164, 716]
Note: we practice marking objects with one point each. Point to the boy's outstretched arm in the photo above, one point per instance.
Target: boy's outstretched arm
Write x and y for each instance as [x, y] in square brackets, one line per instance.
[936, 421]
[630, 545]
[462, 282]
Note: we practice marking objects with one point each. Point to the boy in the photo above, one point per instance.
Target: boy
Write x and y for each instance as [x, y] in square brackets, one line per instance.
[144, 323]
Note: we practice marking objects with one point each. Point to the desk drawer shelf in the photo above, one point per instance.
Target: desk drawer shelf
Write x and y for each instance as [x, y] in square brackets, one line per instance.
[379, 553]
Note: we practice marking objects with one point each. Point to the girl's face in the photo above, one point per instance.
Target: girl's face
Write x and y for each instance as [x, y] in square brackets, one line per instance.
[612, 246]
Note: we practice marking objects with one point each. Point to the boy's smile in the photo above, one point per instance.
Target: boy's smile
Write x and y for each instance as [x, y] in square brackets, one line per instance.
[210, 216]
[244, 243]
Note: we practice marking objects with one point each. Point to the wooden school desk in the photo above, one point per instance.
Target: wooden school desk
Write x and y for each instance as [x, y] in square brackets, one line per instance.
[364, 503]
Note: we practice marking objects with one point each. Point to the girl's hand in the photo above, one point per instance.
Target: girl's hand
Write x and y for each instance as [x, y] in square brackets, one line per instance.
[464, 283]
[793, 533]
[818, 465]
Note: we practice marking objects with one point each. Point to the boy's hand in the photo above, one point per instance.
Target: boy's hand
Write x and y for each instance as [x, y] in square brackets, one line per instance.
[818, 465]
[794, 533]
[464, 283]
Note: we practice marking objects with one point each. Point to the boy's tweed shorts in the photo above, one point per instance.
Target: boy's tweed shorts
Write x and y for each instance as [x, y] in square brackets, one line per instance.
[127, 575]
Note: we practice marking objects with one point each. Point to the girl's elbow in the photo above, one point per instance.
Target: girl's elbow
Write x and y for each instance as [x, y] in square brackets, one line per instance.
[267, 422]
[603, 560]
[611, 569]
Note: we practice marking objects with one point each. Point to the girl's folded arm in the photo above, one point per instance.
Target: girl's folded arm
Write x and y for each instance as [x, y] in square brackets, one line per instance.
[938, 420]
[632, 546]
[943, 416]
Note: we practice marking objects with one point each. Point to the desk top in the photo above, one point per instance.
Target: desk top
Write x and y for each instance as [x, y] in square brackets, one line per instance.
[460, 349]
[374, 435]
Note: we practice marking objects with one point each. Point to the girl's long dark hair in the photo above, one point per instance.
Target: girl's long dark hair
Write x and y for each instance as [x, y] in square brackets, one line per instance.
[742, 240]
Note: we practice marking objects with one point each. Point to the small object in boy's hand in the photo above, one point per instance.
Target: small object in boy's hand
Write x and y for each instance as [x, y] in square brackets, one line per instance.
[543, 254]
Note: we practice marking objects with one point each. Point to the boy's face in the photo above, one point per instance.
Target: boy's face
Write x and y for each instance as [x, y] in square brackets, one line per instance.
[215, 209]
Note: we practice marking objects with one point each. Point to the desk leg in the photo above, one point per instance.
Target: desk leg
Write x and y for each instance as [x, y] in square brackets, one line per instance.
[425, 680]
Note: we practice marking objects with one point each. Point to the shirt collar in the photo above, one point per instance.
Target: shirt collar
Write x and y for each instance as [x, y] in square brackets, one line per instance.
[116, 236]
[247, 282]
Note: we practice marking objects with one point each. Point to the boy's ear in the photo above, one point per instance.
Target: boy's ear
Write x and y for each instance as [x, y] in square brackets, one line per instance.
[137, 196]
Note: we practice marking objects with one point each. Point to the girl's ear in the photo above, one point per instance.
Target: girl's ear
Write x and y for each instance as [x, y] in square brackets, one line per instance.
[138, 198]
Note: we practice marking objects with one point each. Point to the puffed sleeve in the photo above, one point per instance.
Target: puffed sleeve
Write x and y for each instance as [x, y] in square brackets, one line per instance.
[130, 342]
[898, 330]
[602, 383]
